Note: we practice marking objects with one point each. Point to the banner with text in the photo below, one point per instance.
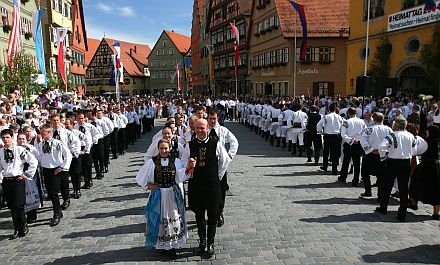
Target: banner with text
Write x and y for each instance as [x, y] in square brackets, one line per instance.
[413, 17]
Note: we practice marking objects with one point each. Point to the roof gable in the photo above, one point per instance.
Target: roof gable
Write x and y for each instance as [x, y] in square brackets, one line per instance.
[182, 42]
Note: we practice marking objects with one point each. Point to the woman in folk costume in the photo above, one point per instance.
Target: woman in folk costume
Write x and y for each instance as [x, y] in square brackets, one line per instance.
[165, 210]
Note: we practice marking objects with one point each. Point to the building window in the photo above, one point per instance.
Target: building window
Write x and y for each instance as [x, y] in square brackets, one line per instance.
[286, 88]
[363, 52]
[170, 52]
[411, 3]
[285, 55]
[377, 8]
[412, 46]
[164, 43]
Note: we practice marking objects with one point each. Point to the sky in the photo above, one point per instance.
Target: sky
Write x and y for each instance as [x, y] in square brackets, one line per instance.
[137, 21]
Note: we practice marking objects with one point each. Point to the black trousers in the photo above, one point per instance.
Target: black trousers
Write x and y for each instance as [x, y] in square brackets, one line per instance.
[352, 152]
[86, 171]
[107, 145]
[53, 184]
[371, 165]
[144, 125]
[131, 133]
[98, 156]
[64, 185]
[332, 146]
[315, 139]
[114, 142]
[15, 196]
[400, 169]
[138, 131]
[75, 172]
[223, 188]
[122, 140]
[150, 124]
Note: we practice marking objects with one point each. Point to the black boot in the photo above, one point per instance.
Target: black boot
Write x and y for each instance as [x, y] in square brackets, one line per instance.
[293, 149]
[301, 147]
[271, 140]
[278, 141]
[211, 236]
[201, 229]
[221, 220]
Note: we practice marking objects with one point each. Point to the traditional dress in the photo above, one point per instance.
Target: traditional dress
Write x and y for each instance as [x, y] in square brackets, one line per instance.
[165, 209]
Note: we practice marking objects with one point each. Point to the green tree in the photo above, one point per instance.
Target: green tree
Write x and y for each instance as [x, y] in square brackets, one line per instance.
[381, 65]
[430, 59]
[55, 81]
[19, 73]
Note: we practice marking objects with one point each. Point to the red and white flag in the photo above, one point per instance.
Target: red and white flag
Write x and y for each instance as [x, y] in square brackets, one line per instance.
[236, 47]
[15, 33]
[61, 36]
[179, 87]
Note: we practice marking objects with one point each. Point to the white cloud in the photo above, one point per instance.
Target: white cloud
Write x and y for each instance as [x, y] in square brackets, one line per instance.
[126, 11]
[98, 32]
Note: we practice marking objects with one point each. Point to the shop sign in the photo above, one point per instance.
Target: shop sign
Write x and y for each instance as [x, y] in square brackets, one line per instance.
[413, 17]
[308, 71]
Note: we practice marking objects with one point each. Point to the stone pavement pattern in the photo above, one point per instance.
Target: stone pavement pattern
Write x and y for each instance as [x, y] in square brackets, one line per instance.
[282, 212]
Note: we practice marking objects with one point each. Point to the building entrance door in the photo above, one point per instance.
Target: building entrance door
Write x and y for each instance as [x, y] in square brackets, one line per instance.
[411, 78]
[268, 89]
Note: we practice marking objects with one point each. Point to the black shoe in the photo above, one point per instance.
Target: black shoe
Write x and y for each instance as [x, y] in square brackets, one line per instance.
[31, 221]
[341, 180]
[85, 186]
[355, 183]
[90, 184]
[105, 169]
[316, 163]
[24, 232]
[413, 206]
[400, 218]
[202, 246]
[56, 219]
[75, 194]
[14, 235]
[220, 221]
[366, 194]
[65, 204]
[115, 157]
[380, 210]
[435, 217]
[210, 251]
[323, 169]
[309, 160]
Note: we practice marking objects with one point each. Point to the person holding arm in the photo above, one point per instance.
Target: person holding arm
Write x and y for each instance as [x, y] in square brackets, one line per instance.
[165, 210]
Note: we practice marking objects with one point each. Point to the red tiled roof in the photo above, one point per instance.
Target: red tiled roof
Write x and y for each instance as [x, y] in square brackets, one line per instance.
[244, 5]
[93, 45]
[322, 21]
[182, 42]
[130, 53]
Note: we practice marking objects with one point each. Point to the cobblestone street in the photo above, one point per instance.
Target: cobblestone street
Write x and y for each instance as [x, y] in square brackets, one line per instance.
[282, 211]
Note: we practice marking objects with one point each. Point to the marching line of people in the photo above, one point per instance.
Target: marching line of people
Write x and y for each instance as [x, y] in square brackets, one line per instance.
[41, 155]
[398, 157]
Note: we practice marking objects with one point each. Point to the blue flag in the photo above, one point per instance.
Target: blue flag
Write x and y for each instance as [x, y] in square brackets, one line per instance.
[38, 39]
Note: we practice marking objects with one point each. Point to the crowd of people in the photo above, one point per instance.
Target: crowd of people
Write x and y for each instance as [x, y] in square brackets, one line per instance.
[397, 140]
[53, 145]
[62, 139]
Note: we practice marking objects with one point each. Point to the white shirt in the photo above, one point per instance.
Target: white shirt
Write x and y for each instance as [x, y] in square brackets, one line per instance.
[58, 155]
[330, 124]
[108, 126]
[15, 166]
[373, 136]
[69, 139]
[86, 140]
[352, 129]
[94, 132]
[225, 136]
[124, 121]
[398, 145]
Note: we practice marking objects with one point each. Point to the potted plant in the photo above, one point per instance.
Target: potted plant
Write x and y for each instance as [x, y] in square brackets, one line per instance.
[28, 35]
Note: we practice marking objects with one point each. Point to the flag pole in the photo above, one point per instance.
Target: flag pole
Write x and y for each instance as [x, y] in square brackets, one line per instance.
[294, 62]
[366, 39]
